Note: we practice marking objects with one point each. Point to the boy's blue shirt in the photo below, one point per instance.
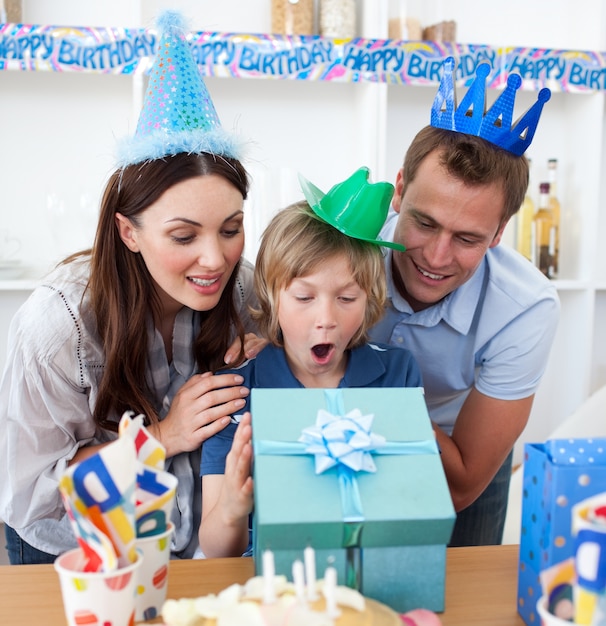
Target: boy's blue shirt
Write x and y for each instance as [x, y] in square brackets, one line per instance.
[370, 365]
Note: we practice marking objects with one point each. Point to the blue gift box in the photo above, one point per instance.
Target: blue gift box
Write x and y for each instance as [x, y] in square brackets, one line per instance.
[385, 531]
[557, 475]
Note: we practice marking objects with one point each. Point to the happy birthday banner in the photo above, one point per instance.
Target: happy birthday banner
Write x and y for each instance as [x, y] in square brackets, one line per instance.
[131, 50]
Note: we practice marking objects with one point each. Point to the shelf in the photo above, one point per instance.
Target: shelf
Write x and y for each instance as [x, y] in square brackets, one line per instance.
[572, 285]
[28, 284]
[114, 50]
[24, 284]
[23, 277]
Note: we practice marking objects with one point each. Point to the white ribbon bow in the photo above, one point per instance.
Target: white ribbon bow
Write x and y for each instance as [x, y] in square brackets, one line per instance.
[342, 439]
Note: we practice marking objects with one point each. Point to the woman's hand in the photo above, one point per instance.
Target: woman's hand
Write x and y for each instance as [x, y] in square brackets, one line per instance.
[200, 409]
[252, 346]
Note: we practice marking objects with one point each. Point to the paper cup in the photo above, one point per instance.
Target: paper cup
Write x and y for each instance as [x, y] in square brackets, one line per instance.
[547, 618]
[96, 598]
[589, 532]
[152, 578]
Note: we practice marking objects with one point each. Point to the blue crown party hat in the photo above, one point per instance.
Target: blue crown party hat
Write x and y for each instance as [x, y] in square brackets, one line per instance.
[178, 114]
[471, 117]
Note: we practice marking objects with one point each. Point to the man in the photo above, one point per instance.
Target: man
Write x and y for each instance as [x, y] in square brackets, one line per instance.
[479, 318]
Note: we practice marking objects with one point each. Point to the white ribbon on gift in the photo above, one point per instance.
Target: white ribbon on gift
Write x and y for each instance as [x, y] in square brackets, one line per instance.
[342, 439]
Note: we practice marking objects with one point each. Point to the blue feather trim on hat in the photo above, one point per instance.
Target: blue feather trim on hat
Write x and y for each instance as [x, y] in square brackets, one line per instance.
[171, 22]
[178, 114]
[133, 150]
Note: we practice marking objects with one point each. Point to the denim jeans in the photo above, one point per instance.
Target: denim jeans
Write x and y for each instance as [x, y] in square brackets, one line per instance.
[21, 553]
[482, 523]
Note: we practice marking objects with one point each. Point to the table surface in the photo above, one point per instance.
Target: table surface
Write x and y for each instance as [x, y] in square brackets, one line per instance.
[481, 587]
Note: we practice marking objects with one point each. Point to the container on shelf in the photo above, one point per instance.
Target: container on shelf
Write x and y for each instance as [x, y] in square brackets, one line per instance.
[11, 11]
[524, 217]
[401, 25]
[338, 19]
[543, 235]
[292, 17]
[556, 209]
[442, 32]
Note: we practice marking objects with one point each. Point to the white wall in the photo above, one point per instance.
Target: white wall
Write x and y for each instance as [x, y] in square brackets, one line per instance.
[60, 129]
[51, 184]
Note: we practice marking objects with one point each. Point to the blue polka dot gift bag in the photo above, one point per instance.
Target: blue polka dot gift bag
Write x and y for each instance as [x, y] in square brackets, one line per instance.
[557, 475]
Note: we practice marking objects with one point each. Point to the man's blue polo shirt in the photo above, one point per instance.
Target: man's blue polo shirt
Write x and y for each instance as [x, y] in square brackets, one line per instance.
[494, 332]
[370, 365]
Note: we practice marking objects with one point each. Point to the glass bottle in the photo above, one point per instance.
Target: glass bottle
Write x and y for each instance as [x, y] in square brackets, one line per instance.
[554, 205]
[543, 234]
[338, 19]
[524, 221]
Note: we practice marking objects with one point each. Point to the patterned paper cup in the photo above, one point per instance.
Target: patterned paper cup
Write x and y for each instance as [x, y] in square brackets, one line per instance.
[96, 598]
[549, 619]
[152, 578]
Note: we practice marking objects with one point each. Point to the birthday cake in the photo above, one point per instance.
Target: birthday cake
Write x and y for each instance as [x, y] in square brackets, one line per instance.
[245, 604]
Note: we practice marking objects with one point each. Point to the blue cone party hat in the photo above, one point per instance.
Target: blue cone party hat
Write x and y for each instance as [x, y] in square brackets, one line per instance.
[471, 117]
[178, 114]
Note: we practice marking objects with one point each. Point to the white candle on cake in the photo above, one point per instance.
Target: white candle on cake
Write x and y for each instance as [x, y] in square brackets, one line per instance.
[330, 592]
[298, 578]
[269, 572]
[309, 556]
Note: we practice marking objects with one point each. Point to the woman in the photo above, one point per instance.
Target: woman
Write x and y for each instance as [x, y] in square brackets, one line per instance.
[125, 328]
[137, 323]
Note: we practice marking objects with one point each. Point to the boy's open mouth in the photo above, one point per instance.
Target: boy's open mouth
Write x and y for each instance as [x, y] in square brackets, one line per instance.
[322, 351]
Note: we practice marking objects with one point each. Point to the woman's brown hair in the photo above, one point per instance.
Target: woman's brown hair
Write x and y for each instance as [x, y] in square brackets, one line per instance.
[122, 292]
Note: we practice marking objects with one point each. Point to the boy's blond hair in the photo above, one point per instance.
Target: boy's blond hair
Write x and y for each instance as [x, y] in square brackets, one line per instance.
[294, 244]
